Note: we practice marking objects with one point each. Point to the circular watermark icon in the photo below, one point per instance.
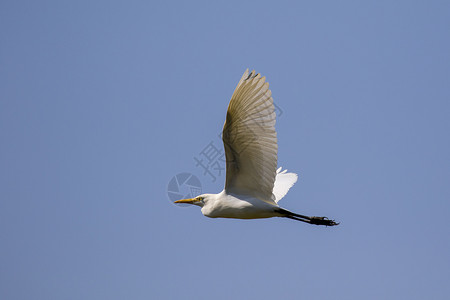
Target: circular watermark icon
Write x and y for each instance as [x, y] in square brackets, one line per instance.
[183, 186]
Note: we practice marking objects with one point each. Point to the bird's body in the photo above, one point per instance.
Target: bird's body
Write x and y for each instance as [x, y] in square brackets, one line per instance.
[225, 205]
[253, 184]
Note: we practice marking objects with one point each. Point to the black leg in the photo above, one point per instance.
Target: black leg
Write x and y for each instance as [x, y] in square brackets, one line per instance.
[311, 220]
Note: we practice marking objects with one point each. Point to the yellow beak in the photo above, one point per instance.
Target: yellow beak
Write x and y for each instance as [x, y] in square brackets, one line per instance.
[189, 201]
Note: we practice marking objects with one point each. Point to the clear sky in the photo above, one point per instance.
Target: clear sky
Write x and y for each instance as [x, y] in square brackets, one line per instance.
[102, 103]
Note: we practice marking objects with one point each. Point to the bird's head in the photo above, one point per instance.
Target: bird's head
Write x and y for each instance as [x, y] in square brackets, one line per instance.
[200, 200]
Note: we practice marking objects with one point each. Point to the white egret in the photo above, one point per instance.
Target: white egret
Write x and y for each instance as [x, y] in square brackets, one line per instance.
[253, 184]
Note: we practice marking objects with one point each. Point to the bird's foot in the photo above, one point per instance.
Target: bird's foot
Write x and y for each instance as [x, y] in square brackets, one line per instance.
[322, 221]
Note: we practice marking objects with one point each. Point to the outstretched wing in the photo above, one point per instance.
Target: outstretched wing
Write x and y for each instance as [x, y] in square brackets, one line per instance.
[250, 139]
[283, 182]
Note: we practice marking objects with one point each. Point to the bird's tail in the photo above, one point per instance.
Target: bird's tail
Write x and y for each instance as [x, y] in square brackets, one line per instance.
[311, 220]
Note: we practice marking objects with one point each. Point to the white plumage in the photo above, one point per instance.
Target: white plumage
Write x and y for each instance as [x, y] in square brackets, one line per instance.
[253, 184]
[250, 139]
[283, 182]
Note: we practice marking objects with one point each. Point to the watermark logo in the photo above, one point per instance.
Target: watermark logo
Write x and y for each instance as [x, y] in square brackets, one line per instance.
[212, 159]
[183, 186]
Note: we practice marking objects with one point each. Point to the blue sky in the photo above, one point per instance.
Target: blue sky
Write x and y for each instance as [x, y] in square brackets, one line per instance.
[102, 103]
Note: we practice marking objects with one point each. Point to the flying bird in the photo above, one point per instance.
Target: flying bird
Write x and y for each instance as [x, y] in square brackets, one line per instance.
[253, 185]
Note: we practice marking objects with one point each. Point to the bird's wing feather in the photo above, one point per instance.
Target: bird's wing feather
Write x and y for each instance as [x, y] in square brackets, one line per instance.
[283, 182]
[250, 139]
